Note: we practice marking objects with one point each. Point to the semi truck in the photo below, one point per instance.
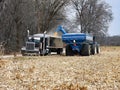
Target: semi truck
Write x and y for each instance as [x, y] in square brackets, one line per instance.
[42, 44]
[79, 43]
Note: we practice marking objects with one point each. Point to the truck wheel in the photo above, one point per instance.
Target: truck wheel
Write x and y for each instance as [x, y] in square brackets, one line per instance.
[85, 50]
[93, 49]
[59, 51]
[98, 48]
[23, 53]
[49, 52]
[69, 51]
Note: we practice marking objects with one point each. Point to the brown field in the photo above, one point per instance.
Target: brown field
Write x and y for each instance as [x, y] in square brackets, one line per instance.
[96, 72]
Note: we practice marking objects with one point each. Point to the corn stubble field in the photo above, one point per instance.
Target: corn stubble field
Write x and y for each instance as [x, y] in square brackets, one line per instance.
[96, 72]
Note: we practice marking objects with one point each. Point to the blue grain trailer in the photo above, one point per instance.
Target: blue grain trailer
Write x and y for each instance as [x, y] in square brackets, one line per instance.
[79, 43]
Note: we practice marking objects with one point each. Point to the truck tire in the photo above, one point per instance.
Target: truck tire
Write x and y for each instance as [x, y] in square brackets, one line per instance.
[49, 52]
[93, 49]
[59, 51]
[69, 51]
[98, 48]
[85, 50]
[23, 53]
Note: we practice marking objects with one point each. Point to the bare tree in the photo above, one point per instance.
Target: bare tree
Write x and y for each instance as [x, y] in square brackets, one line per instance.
[47, 12]
[16, 15]
[93, 15]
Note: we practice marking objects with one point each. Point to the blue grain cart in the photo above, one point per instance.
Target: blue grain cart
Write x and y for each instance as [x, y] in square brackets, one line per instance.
[79, 43]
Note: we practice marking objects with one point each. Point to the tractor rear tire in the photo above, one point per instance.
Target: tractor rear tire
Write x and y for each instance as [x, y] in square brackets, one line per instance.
[98, 48]
[85, 50]
[69, 51]
[93, 49]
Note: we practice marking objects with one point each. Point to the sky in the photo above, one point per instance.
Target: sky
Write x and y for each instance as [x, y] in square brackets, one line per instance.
[114, 27]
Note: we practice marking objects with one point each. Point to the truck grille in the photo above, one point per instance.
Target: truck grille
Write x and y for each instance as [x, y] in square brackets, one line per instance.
[30, 45]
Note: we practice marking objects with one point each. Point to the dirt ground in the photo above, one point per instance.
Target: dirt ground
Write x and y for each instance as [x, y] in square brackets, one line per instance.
[96, 72]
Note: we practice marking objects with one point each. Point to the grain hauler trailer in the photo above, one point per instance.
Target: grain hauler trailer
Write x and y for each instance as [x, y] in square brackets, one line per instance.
[42, 44]
[79, 43]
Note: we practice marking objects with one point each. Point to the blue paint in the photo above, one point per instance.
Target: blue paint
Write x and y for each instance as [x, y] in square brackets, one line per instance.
[79, 38]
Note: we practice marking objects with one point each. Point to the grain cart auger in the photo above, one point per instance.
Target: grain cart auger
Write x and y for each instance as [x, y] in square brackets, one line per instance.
[79, 43]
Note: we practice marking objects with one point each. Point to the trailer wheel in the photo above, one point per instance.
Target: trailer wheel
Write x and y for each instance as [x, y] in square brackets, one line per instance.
[69, 51]
[59, 51]
[98, 48]
[85, 50]
[93, 49]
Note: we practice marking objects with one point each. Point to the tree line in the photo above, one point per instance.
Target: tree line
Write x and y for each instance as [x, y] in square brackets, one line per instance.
[109, 40]
[17, 16]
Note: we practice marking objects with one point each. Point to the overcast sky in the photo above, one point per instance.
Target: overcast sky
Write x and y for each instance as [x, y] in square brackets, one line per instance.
[114, 28]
